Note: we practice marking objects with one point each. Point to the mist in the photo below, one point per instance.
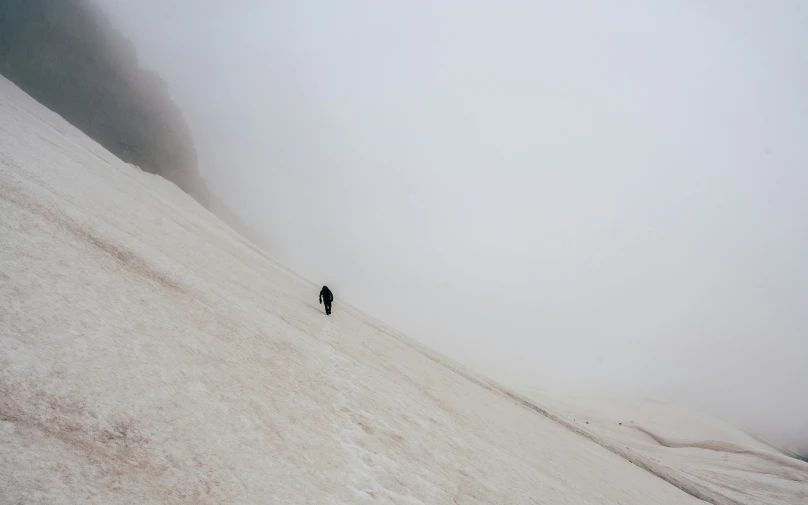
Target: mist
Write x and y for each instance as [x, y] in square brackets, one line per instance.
[569, 195]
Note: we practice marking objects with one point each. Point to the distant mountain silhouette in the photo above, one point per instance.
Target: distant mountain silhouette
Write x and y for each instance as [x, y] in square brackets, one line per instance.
[67, 55]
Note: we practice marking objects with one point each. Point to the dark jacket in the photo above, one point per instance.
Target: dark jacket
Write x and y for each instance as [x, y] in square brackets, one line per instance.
[325, 294]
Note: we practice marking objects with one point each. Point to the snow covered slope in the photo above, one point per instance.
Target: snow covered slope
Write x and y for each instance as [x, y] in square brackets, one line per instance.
[714, 458]
[148, 354]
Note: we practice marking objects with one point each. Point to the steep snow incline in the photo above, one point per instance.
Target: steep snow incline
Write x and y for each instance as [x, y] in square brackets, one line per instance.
[149, 355]
[712, 457]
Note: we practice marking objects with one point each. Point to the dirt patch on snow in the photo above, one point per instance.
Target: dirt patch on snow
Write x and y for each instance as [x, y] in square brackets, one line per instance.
[121, 257]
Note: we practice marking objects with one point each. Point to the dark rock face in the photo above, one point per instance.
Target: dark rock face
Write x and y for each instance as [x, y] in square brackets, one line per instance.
[67, 55]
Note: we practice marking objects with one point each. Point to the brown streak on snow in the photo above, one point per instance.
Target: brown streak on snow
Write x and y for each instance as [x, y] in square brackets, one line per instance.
[115, 446]
[123, 257]
[69, 422]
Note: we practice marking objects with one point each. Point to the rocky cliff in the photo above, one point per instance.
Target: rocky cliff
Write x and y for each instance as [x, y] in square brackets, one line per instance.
[67, 55]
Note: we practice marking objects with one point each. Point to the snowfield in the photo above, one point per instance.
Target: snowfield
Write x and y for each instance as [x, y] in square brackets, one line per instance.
[710, 458]
[150, 355]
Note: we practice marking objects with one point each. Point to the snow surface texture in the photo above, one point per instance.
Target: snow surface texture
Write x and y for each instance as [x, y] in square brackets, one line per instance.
[714, 460]
[149, 354]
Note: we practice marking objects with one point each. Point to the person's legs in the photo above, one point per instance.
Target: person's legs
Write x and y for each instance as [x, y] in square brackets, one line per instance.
[328, 308]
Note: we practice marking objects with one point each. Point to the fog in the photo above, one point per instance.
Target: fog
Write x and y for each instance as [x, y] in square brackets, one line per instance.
[595, 196]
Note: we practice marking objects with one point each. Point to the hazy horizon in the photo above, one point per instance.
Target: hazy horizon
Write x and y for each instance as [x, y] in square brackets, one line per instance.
[575, 196]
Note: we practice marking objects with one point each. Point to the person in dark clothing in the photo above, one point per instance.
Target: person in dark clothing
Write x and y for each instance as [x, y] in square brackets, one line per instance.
[327, 297]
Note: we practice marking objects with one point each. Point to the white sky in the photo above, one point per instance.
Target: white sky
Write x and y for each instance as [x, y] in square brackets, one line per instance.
[573, 194]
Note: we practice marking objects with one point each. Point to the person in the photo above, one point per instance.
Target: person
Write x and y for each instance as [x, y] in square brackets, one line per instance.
[327, 297]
